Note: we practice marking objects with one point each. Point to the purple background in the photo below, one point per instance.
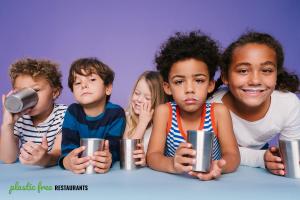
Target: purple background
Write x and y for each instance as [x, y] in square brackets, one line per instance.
[126, 34]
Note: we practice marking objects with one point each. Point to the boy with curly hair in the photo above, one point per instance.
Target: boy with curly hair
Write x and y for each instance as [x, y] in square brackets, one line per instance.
[187, 63]
[34, 136]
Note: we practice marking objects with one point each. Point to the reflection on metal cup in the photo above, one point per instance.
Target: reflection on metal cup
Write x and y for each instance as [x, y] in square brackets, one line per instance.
[21, 100]
[202, 142]
[127, 147]
[290, 154]
[92, 145]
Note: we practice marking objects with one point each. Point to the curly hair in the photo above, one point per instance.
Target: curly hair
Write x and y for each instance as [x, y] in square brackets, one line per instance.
[285, 81]
[37, 68]
[88, 66]
[183, 46]
[154, 81]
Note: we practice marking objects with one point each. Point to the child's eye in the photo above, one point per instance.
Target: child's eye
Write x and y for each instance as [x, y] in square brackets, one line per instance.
[93, 79]
[37, 89]
[267, 70]
[200, 80]
[242, 71]
[77, 83]
[178, 82]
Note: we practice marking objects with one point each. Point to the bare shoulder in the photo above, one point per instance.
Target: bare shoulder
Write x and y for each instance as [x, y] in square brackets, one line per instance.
[162, 109]
[220, 109]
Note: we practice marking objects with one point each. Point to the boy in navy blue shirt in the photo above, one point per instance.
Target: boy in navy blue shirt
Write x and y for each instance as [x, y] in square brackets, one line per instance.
[93, 116]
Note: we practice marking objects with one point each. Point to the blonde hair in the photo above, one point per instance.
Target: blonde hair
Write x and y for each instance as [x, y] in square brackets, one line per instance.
[154, 81]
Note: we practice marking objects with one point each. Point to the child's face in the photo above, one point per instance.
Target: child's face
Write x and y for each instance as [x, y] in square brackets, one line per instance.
[45, 92]
[189, 84]
[141, 95]
[90, 90]
[252, 74]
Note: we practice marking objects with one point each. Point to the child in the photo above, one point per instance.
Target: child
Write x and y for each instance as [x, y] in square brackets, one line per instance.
[258, 98]
[187, 63]
[93, 116]
[147, 95]
[38, 129]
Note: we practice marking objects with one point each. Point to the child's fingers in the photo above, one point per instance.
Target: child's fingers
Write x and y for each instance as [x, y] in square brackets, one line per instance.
[106, 145]
[25, 155]
[77, 151]
[81, 166]
[104, 153]
[137, 152]
[274, 166]
[141, 163]
[101, 159]
[271, 157]
[101, 170]
[278, 172]
[78, 161]
[139, 155]
[185, 151]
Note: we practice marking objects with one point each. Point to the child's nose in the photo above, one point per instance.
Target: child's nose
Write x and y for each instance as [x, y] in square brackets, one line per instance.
[255, 78]
[189, 87]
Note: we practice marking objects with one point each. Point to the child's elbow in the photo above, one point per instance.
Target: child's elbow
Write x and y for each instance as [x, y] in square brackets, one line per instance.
[9, 160]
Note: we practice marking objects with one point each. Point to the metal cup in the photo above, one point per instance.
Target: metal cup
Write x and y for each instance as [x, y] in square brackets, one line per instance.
[202, 142]
[127, 146]
[21, 100]
[92, 145]
[290, 154]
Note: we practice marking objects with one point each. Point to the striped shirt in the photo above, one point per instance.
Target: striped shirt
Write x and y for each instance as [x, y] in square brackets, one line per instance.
[109, 125]
[26, 131]
[176, 135]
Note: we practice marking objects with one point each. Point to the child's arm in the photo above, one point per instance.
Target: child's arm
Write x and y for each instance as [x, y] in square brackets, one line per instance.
[145, 117]
[228, 143]
[155, 154]
[37, 154]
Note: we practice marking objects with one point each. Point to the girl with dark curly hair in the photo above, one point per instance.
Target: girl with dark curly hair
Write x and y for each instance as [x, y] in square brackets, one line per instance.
[259, 95]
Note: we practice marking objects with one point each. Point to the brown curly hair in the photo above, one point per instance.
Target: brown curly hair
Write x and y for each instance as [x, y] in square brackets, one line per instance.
[37, 68]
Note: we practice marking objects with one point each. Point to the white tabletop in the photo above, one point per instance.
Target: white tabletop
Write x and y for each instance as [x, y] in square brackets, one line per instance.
[245, 183]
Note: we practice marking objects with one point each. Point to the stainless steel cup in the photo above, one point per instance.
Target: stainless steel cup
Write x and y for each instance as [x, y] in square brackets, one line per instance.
[92, 145]
[127, 146]
[21, 100]
[290, 154]
[202, 142]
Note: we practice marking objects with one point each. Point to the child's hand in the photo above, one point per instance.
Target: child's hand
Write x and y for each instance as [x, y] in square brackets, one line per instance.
[146, 113]
[183, 159]
[273, 162]
[140, 154]
[32, 154]
[101, 160]
[75, 164]
[215, 171]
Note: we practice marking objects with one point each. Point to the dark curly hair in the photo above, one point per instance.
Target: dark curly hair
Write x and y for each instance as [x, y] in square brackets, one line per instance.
[285, 81]
[37, 68]
[88, 66]
[183, 46]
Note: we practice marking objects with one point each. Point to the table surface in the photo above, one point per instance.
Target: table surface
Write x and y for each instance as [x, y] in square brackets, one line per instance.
[245, 183]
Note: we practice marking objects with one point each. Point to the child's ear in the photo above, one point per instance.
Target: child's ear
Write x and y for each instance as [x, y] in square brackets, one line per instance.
[56, 93]
[211, 86]
[108, 89]
[167, 89]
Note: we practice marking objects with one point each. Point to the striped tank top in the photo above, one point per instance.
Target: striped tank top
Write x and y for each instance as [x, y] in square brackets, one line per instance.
[175, 134]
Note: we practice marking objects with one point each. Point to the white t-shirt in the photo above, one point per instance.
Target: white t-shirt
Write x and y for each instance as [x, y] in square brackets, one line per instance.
[282, 117]
[26, 131]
